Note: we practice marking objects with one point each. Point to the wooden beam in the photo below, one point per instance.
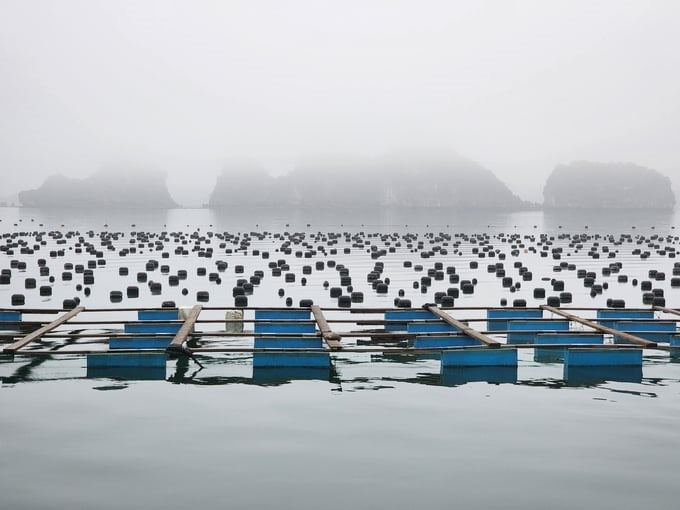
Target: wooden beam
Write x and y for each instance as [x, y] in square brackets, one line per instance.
[186, 328]
[671, 311]
[332, 339]
[599, 327]
[464, 328]
[35, 335]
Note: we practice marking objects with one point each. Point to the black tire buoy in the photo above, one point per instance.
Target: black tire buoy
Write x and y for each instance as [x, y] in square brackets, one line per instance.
[69, 304]
[447, 301]
[553, 301]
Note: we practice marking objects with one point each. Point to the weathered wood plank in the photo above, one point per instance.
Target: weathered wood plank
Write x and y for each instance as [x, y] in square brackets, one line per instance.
[663, 309]
[35, 335]
[186, 328]
[599, 327]
[331, 338]
[464, 328]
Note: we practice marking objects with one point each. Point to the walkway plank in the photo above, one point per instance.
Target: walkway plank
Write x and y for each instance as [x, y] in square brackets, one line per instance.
[35, 335]
[599, 327]
[464, 328]
[331, 338]
[671, 311]
[186, 328]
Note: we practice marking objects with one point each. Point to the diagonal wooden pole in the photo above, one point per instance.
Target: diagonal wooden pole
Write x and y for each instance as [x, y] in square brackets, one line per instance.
[599, 327]
[35, 335]
[331, 338]
[464, 328]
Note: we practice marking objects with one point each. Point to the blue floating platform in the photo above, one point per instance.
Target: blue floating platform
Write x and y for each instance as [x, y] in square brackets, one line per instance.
[481, 357]
[455, 376]
[282, 315]
[654, 331]
[431, 327]
[556, 355]
[288, 343]
[285, 327]
[524, 332]
[509, 313]
[158, 342]
[609, 317]
[302, 359]
[675, 347]
[609, 357]
[405, 316]
[171, 314]
[127, 360]
[9, 316]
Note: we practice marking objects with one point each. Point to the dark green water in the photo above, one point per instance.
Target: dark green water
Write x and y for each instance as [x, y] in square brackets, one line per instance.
[378, 433]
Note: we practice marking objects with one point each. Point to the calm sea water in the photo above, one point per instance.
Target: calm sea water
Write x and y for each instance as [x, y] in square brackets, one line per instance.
[371, 432]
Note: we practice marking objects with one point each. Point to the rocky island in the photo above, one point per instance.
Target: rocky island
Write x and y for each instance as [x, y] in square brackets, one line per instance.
[587, 184]
[445, 181]
[104, 189]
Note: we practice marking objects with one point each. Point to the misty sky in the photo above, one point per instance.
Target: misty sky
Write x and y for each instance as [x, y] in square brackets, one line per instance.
[187, 86]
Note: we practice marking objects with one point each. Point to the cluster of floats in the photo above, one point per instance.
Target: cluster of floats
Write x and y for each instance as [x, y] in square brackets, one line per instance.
[471, 343]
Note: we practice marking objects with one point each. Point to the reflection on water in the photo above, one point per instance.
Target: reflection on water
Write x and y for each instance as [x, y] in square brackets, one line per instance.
[385, 219]
[592, 376]
[497, 375]
[344, 373]
[127, 373]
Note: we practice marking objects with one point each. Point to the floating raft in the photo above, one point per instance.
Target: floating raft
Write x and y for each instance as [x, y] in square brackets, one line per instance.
[129, 339]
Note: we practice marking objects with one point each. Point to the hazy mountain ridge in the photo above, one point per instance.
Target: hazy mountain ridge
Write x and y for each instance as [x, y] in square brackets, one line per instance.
[588, 184]
[391, 181]
[134, 189]
[423, 182]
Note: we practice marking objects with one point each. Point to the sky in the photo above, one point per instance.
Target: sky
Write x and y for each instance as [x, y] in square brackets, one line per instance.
[193, 87]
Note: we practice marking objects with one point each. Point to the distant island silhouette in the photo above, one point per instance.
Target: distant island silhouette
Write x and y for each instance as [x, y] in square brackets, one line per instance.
[434, 181]
[592, 185]
[391, 181]
[106, 188]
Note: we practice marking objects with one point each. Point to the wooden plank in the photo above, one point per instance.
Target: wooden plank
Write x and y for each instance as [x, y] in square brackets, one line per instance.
[464, 328]
[671, 311]
[332, 339]
[599, 327]
[186, 328]
[45, 329]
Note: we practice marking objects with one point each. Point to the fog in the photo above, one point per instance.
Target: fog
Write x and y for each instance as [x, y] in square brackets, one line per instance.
[190, 87]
